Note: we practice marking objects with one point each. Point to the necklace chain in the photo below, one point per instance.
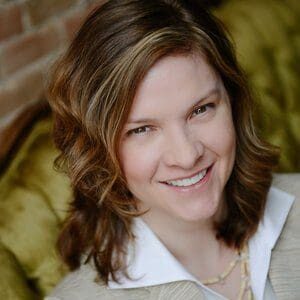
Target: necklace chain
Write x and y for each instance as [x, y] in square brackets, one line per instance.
[245, 287]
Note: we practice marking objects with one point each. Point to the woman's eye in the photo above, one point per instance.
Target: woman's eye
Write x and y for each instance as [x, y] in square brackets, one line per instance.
[139, 130]
[203, 109]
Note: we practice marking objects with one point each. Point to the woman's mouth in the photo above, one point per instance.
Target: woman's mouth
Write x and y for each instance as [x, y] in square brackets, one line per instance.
[191, 181]
[188, 181]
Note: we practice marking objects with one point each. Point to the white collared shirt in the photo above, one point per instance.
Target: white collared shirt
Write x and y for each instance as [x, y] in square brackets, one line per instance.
[150, 262]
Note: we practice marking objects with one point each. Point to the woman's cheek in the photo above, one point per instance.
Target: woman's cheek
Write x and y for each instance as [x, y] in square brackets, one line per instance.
[224, 132]
[139, 160]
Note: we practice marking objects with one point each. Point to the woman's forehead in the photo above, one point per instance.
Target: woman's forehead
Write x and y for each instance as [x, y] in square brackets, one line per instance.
[175, 80]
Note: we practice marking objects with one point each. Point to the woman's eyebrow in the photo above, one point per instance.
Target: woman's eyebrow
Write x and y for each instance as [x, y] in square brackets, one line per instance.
[213, 91]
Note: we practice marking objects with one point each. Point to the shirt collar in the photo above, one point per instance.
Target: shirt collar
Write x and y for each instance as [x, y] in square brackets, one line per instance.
[150, 262]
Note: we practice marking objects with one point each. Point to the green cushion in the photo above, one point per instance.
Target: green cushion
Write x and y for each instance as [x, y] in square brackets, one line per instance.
[13, 281]
[33, 203]
[267, 38]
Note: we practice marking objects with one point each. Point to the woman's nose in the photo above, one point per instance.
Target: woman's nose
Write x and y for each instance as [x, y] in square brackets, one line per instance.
[183, 150]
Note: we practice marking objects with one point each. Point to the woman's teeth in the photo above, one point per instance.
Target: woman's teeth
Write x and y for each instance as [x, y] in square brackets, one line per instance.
[188, 181]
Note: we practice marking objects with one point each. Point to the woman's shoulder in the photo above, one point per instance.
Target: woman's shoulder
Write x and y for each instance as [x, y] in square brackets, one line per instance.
[288, 182]
[79, 284]
[84, 284]
[285, 264]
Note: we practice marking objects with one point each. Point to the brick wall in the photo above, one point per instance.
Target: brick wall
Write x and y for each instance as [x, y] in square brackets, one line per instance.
[32, 34]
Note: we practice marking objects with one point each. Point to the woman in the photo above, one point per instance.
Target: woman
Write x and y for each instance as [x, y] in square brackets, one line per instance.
[172, 195]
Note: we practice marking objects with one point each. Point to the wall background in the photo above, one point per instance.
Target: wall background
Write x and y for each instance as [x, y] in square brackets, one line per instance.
[32, 34]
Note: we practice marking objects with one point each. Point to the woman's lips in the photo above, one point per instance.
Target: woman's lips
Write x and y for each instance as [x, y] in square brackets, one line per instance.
[186, 177]
[198, 185]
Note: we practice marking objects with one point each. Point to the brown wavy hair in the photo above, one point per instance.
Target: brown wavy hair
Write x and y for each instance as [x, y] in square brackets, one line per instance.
[91, 93]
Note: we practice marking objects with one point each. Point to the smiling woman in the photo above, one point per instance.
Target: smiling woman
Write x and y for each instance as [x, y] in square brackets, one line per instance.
[171, 184]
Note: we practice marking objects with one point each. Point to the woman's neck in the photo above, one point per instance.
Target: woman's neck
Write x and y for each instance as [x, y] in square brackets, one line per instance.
[187, 241]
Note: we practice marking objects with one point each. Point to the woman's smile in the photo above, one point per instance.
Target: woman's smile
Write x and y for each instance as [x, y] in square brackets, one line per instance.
[195, 183]
[188, 180]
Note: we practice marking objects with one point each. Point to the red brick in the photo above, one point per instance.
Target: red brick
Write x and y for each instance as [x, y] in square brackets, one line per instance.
[10, 21]
[40, 10]
[96, 3]
[28, 87]
[16, 54]
[72, 23]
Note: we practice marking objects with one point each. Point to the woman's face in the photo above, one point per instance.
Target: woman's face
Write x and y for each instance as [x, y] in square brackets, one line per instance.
[177, 148]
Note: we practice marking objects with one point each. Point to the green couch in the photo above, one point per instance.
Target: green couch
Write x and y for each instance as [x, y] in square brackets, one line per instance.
[34, 197]
[33, 201]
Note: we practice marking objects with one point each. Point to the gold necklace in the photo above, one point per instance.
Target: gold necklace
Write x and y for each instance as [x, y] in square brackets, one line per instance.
[245, 288]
